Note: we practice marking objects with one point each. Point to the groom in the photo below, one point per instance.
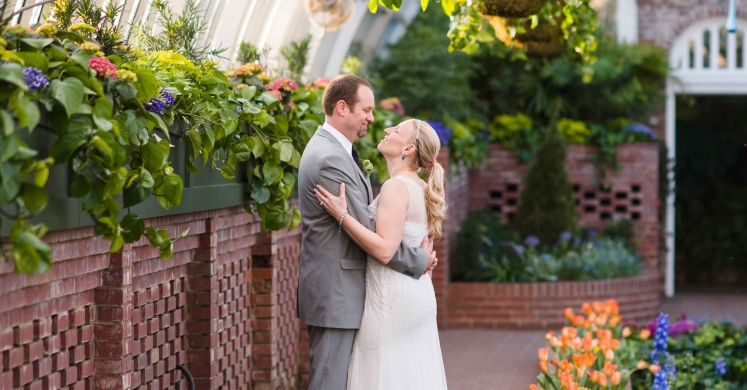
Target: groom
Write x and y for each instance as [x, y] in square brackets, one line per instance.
[331, 285]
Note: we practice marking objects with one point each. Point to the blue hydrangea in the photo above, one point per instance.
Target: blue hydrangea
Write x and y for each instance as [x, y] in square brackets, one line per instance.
[592, 233]
[155, 106]
[444, 133]
[520, 249]
[720, 367]
[167, 97]
[34, 78]
[660, 340]
[531, 241]
[566, 236]
[238, 110]
[640, 129]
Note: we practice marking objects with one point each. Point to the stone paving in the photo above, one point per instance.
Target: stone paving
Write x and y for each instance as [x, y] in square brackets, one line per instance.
[507, 359]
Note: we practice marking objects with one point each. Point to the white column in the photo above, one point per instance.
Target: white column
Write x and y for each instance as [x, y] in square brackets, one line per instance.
[627, 21]
[670, 142]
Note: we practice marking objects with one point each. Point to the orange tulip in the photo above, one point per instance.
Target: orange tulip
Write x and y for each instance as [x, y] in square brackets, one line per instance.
[533, 387]
[594, 376]
[570, 332]
[641, 365]
[586, 308]
[603, 380]
[554, 361]
[614, 321]
[543, 366]
[616, 378]
[597, 306]
[626, 332]
[615, 344]
[543, 354]
[654, 368]
[609, 368]
[549, 335]
[578, 321]
[580, 372]
[568, 313]
[645, 333]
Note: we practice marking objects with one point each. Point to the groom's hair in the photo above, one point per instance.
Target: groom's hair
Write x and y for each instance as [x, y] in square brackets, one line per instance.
[345, 88]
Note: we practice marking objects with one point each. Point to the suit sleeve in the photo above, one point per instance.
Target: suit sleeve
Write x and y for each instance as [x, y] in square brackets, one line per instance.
[409, 260]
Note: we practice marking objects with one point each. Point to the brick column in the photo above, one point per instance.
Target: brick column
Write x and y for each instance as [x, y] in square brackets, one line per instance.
[112, 325]
[265, 332]
[203, 333]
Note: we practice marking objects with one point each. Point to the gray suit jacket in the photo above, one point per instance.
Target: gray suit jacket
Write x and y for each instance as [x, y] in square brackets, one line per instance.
[331, 286]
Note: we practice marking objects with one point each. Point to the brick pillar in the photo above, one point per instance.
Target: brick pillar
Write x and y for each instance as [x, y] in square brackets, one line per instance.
[442, 248]
[112, 325]
[265, 331]
[203, 333]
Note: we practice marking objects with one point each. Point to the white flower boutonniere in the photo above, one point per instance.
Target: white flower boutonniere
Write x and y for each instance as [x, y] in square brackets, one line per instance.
[368, 168]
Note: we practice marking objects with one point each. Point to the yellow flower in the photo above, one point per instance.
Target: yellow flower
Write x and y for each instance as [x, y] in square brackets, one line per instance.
[127, 75]
[90, 47]
[264, 78]
[47, 30]
[15, 30]
[82, 28]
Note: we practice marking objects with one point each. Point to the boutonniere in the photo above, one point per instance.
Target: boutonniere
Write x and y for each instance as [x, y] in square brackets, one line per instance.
[368, 168]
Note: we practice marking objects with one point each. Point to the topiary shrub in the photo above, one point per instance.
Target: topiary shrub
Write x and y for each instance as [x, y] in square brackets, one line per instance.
[547, 208]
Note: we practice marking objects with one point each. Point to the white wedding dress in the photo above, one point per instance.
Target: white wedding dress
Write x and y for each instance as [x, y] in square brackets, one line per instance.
[397, 346]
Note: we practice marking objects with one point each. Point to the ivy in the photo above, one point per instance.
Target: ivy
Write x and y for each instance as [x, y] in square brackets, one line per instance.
[114, 123]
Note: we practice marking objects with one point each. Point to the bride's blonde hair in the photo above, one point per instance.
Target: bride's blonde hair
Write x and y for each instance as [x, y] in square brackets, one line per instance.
[428, 145]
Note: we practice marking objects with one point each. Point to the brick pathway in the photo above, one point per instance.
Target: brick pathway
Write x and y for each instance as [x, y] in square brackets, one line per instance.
[507, 359]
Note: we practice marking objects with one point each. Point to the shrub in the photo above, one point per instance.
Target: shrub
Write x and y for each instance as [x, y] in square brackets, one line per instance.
[547, 208]
[477, 241]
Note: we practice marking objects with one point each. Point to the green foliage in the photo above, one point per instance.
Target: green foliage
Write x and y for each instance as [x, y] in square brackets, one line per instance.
[247, 53]
[547, 207]
[695, 354]
[296, 53]
[484, 248]
[430, 81]
[116, 135]
[179, 33]
[574, 132]
[467, 146]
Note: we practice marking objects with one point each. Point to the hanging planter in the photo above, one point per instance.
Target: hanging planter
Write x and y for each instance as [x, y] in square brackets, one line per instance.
[512, 8]
[545, 40]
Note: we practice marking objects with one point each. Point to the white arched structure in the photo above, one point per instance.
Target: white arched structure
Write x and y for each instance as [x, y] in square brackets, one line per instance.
[705, 60]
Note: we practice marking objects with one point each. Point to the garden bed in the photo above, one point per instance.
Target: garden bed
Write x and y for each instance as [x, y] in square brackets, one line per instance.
[540, 305]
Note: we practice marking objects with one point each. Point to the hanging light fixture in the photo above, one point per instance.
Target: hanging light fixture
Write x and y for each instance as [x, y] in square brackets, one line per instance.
[329, 14]
[731, 18]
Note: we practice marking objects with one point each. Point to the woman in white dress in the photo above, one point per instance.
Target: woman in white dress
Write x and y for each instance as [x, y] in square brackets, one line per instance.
[397, 345]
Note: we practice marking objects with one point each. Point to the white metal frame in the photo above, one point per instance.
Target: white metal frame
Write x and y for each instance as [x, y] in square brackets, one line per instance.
[730, 79]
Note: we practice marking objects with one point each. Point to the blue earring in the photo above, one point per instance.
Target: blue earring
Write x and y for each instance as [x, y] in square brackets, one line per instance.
[403, 157]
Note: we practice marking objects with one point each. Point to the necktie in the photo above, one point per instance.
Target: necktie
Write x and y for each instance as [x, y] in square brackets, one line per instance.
[357, 159]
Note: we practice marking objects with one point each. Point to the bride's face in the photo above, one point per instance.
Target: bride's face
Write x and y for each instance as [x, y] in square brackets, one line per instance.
[397, 140]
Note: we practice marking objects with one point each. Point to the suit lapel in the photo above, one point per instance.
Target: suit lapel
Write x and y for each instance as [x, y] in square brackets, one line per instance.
[324, 133]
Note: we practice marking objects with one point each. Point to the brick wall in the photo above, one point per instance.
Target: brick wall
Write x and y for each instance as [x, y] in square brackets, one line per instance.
[632, 192]
[540, 305]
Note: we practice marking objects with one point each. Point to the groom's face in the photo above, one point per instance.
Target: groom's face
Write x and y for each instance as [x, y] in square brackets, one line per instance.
[362, 113]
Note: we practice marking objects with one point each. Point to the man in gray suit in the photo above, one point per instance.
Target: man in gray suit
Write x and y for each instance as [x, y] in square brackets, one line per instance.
[331, 286]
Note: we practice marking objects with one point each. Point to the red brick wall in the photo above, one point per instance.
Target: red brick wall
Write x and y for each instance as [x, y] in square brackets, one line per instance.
[633, 192]
[540, 305]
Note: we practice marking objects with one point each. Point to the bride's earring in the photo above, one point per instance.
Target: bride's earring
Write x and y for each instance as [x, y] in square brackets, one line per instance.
[403, 157]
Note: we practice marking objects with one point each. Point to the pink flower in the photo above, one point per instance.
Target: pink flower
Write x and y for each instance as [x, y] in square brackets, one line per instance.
[103, 67]
[276, 93]
[321, 82]
[248, 70]
[285, 84]
[392, 104]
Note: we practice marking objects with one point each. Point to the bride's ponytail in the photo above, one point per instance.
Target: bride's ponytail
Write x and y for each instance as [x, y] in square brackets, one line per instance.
[435, 198]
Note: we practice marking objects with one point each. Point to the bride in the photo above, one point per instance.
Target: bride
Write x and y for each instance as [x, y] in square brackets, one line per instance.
[397, 345]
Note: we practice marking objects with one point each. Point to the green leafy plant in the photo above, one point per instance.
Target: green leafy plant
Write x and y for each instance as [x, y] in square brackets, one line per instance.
[296, 53]
[247, 53]
[547, 207]
[179, 33]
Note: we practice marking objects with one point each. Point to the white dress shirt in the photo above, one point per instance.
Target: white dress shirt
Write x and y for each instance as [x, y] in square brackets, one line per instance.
[344, 141]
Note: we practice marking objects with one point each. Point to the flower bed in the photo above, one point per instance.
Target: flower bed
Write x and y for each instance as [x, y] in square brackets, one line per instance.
[540, 305]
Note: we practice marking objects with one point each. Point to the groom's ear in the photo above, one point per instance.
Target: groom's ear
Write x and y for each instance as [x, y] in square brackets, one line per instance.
[340, 107]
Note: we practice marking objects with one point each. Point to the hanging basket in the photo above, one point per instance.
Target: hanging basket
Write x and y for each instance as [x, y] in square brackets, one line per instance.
[545, 40]
[512, 8]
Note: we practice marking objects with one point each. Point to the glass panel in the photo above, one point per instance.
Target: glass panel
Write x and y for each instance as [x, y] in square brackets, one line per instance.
[722, 48]
[691, 55]
[707, 48]
[740, 49]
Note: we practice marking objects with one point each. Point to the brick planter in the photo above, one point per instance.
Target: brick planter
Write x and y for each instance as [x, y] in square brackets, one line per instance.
[540, 305]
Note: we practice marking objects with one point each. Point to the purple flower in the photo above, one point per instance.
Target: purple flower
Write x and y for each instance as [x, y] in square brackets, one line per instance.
[531, 241]
[34, 78]
[720, 367]
[661, 338]
[155, 106]
[238, 110]
[592, 233]
[519, 249]
[660, 381]
[682, 326]
[566, 236]
[640, 129]
[444, 133]
[167, 97]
